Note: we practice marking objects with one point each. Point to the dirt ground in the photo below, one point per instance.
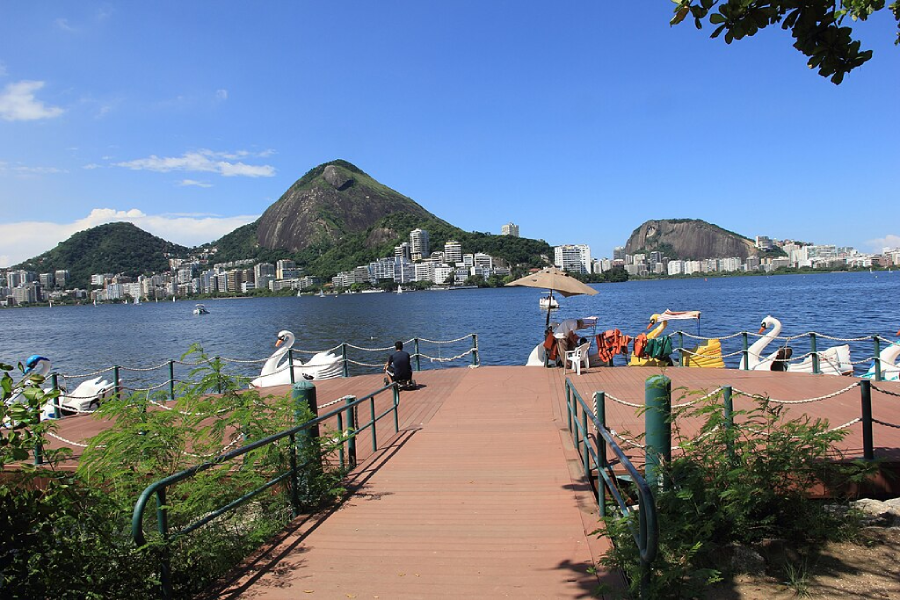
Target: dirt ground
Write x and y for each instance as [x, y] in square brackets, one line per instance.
[867, 569]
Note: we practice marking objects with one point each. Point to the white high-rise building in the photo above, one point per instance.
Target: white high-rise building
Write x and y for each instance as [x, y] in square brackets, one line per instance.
[418, 241]
[575, 258]
[453, 252]
[510, 229]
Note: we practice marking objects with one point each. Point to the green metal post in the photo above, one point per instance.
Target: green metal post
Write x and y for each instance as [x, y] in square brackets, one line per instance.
[218, 377]
[352, 427]
[600, 414]
[474, 349]
[116, 382]
[877, 358]
[416, 344]
[303, 393]
[38, 454]
[865, 387]
[729, 418]
[54, 381]
[746, 351]
[172, 380]
[295, 479]
[658, 426]
[815, 353]
[569, 401]
[585, 448]
[396, 398]
[346, 372]
[374, 426]
[291, 364]
[340, 428]
[681, 347]
[162, 523]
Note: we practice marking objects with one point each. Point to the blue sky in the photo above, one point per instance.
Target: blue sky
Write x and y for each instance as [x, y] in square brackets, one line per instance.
[577, 121]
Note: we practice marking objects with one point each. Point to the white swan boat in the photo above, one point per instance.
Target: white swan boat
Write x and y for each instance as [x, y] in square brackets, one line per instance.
[275, 371]
[890, 369]
[84, 398]
[832, 361]
[199, 309]
[548, 302]
[87, 396]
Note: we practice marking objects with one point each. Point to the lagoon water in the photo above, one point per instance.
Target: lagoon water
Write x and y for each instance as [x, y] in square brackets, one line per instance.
[508, 322]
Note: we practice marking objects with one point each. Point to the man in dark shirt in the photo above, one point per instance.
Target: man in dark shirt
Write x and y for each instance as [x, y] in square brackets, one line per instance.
[398, 366]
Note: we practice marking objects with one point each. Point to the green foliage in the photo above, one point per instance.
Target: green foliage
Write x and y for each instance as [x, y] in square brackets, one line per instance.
[68, 535]
[816, 26]
[741, 483]
[111, 248]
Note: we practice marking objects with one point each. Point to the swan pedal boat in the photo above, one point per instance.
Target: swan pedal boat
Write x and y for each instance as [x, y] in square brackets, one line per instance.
[707, 355]
[323, 365]
[890, 369]
[84, 398]
[832, 361]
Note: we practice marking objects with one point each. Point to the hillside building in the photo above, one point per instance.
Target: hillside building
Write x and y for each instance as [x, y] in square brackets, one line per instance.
[510, 229]
[418, 242]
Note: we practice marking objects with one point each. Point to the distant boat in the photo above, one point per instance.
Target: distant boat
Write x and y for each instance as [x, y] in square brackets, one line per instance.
[321, 293]
[298, 293]
[399, 289]
[199, 309]
[548, 302]
[173, 298]
[379, 291]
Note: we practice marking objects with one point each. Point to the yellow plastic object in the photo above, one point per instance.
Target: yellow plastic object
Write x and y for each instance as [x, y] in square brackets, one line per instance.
[646, 361]
[707, 355]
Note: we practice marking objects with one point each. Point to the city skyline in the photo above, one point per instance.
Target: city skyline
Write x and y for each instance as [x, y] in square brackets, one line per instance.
[190, 120]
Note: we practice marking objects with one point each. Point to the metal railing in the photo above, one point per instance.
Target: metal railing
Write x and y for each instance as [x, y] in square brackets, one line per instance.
[593, 452]
[304, 435]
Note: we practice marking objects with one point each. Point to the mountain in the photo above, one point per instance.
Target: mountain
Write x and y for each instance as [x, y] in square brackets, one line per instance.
[111, 248]
[329, 202]
[337, 217]
[688, 239]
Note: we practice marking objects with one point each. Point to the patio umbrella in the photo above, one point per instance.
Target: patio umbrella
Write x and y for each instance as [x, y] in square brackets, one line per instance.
[556, 281]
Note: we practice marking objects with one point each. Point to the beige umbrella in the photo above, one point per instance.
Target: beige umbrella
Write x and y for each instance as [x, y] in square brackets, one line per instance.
[556, 281]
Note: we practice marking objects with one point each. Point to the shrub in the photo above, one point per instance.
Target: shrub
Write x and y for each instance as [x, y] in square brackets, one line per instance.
[741, 483]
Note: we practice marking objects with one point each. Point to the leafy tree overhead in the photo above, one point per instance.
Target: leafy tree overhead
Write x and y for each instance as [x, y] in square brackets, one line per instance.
[817, 26]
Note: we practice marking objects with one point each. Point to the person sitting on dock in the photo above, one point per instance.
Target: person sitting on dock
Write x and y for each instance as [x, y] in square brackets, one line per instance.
[399, 368]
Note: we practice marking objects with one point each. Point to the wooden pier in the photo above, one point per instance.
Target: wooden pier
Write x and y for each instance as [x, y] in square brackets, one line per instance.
[481, 493]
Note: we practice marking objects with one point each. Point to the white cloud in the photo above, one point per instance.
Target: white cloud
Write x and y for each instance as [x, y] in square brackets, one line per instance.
[221, 94]
[27, 171]
[17, 103]
[26, 239]
[92, 166]
[191, 182]
[202, 161]
[64, 25]
[889, 241]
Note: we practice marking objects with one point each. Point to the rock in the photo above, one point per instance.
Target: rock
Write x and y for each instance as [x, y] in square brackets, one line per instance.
[338, 179]
[688, 239]
[746, 560]
[876, 512]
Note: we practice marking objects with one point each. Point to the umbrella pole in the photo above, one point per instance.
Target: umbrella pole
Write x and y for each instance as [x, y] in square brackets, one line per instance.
[546, 327]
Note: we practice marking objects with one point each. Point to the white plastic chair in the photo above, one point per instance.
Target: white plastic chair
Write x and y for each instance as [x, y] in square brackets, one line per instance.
[578, 356]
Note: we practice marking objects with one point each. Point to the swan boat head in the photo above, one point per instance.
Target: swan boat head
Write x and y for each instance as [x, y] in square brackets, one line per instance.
[36, 365]
[654, 320]
[771, 327]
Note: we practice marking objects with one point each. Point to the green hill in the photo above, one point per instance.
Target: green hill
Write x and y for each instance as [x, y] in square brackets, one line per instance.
[111, 248]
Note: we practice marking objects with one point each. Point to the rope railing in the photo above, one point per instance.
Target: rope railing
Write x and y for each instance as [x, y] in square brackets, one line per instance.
[812, 358]
[347, 359]
[866, 418]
